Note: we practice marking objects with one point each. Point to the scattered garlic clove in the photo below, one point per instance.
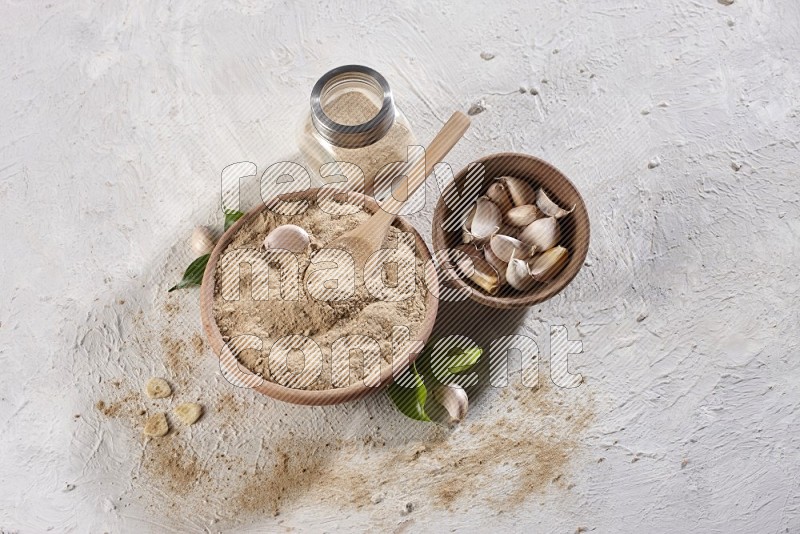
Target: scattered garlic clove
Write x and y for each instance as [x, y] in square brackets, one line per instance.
[518, 276]
[157, 388]
[504, 246]
[472, 264]
[188, 412]
[498, 193]
[550, 208]
[521, 192]
[288, 237]
[454, 399]
[522, 215]
[156, 426]
[499, 265]
[202, 241]
[483, 220]
[541, 233]
[548, 264]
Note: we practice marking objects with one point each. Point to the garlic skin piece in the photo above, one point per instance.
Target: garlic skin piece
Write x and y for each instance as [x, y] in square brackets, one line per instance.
[518, 276]
[202, 241]
[288, 237]
[454, 399]
[475, 267]
[498, 193]
[550, 208]
[521, 216]
[548, 264]
[499, 265]
[542, 233]
[521, 192]
[482, 222]
[504, 246]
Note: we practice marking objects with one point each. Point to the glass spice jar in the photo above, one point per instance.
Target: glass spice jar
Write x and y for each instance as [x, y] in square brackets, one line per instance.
[355, 131]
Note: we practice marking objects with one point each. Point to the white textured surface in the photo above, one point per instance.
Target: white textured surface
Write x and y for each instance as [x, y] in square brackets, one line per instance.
[117, 119]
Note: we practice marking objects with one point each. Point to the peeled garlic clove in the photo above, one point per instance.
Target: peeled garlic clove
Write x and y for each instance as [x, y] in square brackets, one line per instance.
[548, 264]
[483, 220]
[472, 264]
[499, 265]
[498, 193]
[518, 276]
[454, 399]
[202, 241]
[541, 233]
[288, 237]
[522, 215]
[504, 246]
[521, 192]
[550, 208]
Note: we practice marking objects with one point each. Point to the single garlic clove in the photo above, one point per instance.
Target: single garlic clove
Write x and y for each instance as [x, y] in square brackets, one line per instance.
[471, 263]
[454, 399]
[288, 237]
[499, 265]
[522, 215]
[550, 208]
[483, 220]
[503, 246]
[202, 240]
[518, 276]
[541, 233]
[521, 192]
[498, 193]
[548, 264]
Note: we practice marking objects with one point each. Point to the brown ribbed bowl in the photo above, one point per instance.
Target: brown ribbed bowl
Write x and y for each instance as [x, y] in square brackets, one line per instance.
[452, 208]
[240, 376]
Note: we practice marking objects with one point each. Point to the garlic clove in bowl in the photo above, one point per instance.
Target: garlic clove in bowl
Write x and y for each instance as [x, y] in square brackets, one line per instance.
[471, 263]
[518, 276]
[288, 237]
[498, 193]
[550, 208]
[546, 265]
[521, 192]
[541, 233]
[504, 246]
[499, 265]
[483, 220]
[521, 216]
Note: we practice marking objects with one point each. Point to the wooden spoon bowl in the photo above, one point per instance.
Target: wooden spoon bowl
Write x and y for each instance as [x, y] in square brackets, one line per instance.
[451, 210]
[240, 376]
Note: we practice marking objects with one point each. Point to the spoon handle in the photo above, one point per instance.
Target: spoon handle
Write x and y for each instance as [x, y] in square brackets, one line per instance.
[445, 140]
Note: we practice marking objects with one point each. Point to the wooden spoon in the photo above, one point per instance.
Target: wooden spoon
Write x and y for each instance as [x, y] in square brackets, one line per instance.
[365, 239]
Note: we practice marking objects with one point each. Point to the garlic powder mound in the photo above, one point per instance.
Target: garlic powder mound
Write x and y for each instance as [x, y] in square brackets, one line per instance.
[158, 388]
[156, 426]
[188, 412]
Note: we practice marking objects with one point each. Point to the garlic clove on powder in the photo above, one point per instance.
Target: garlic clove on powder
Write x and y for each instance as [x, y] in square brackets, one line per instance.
[498, 193]
[548, 264]
[483, 220]
[503, 246]
[454, 399]
[522, 215]
[550, 208]
[202, 241]
[518, 276]
[470, 262]
[541, 233]
[521, 192]
[288, 237]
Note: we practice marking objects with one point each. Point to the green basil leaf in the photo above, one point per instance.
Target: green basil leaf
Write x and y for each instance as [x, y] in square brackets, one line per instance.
[194, 273]
[461, 360]
[231, 216]
[410, 400]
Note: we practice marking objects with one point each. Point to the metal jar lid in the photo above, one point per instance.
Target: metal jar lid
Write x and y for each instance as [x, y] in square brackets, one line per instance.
[359, 135]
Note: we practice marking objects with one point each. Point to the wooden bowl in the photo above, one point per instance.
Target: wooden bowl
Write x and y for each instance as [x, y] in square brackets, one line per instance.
[451, 211]
[240, 376]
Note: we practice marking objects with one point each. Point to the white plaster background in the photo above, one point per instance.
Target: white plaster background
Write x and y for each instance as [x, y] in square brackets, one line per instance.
[117, 118]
